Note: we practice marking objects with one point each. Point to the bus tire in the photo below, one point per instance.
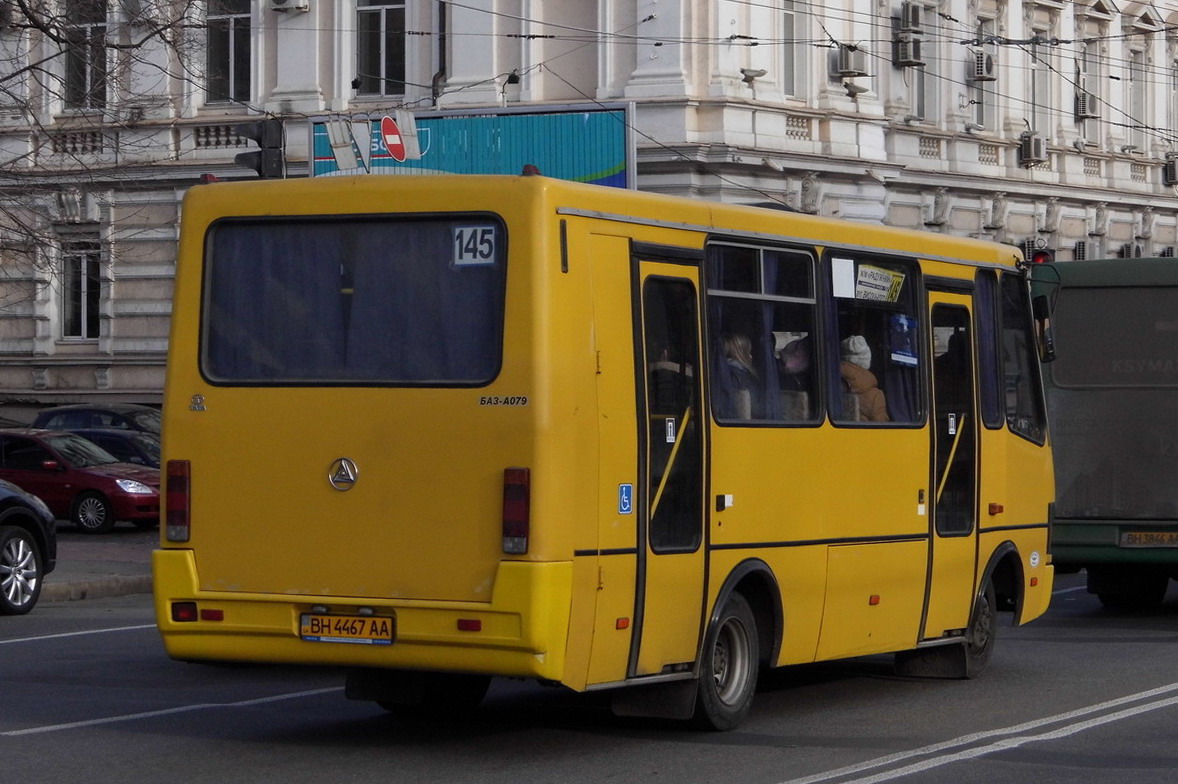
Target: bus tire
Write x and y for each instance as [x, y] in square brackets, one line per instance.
[728, 668]
[966, 659]
[1128, 589]
[983, 627]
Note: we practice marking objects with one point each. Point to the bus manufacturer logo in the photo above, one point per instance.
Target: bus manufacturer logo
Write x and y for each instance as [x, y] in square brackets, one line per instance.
[343, 474]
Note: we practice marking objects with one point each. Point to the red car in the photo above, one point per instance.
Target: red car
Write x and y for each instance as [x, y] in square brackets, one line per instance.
[79, 480]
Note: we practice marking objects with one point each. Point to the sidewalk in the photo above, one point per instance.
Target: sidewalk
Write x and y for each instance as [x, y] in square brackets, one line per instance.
[95, 566]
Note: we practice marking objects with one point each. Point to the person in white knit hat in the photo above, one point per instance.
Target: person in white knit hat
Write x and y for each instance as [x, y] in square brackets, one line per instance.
[860, 381]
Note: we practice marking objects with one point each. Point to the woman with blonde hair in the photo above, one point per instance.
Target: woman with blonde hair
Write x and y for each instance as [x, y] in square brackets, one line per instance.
[738, 353]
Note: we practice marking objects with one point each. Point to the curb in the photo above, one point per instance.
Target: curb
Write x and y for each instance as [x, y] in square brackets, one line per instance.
[97, 588]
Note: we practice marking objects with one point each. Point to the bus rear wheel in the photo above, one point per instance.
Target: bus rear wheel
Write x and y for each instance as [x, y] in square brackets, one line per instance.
[1126, 589]
[728, 670]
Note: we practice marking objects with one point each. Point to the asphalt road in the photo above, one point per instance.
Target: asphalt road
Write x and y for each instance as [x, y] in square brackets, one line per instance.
[1081, 695]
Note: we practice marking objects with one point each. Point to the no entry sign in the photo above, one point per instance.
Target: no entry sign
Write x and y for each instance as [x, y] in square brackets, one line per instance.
[392, 139]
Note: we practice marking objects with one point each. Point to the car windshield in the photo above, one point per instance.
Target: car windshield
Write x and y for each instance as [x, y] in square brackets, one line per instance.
[80, 452]
[146, 420]
[149, 444]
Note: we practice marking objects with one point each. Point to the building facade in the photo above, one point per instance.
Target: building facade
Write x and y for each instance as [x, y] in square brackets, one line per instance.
[1041, 123]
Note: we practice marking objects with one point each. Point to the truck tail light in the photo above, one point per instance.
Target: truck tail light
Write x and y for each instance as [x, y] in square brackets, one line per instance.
[517, 510]
[178, 498]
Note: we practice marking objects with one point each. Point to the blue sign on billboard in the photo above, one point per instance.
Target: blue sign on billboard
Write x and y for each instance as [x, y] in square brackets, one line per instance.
[590, 143]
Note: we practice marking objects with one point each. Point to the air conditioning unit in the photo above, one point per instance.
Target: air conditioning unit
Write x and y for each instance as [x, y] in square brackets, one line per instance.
[911, 17]
[1170, 172]
[1085, 105]
[1167, 252]
[1032, 150]
[289, 5]
[1029, 248]
[1129, 251]
[984, 69]
[851, 62]
[906, 51]
[1080, 252]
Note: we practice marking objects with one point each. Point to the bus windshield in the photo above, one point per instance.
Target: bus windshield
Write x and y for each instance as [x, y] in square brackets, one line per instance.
[399, 302]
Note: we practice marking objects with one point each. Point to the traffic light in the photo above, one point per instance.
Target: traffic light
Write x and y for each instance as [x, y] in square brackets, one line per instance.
[1042, 256]
[267, 159]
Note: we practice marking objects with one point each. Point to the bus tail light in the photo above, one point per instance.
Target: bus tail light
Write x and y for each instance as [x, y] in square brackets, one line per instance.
[517, 510]
[178, 497]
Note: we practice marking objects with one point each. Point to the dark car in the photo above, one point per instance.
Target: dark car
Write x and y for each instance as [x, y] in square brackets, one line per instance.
[28, 548]
[128, 446]
[116, 416]
[79, 480]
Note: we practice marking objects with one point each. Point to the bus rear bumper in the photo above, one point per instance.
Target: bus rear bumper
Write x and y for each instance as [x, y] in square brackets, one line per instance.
[1081, 543]
[521, 632]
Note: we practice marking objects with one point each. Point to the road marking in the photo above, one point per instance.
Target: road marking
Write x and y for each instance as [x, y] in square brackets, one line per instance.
[1150, 700]
[1069, 590]
[78, 634]
[167, 712]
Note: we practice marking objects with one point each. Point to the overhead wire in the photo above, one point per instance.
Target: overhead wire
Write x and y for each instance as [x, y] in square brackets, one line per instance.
[573, 34]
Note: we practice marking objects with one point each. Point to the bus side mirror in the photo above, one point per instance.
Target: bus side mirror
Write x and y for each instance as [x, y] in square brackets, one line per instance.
[1043, 332]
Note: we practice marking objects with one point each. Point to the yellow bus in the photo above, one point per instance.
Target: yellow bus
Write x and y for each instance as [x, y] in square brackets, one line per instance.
[439, 429]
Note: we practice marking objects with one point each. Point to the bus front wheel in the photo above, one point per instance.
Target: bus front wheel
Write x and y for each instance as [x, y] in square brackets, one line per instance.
[728, 670]
[979, 638]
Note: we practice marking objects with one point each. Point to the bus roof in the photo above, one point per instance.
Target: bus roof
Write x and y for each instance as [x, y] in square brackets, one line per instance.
[1104, 273]
[753, 221]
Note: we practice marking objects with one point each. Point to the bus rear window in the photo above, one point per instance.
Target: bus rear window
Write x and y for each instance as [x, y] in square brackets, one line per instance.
[355, 301]
[1116, 337]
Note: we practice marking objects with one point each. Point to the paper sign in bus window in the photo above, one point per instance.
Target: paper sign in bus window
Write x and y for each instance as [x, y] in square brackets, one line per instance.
[878, 284]
[842, 272]
[903, 339]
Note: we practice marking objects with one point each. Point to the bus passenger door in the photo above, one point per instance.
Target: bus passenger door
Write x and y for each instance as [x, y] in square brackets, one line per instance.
[953, 500]
[671, 451]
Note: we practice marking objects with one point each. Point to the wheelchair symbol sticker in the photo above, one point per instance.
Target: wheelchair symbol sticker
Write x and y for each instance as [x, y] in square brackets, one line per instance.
[625, 499]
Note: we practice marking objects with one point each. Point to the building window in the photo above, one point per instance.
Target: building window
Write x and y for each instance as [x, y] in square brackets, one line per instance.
[791, 50]
[1090, 82]
[81, 290]
[926, 79]
[85, 55]
[380, 46]
[1174, 94]
[1138, 120]
[1041, 70]
[984, 96]
[228, 52]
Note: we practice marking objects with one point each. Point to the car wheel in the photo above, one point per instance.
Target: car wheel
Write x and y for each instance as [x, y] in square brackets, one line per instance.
[92, 513]
[20, 571]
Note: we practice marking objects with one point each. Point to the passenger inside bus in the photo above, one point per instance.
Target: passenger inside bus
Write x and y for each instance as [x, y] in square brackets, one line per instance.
[796, 379]
[670, 385]
[738, 352]
[863, 400]
[954, 384]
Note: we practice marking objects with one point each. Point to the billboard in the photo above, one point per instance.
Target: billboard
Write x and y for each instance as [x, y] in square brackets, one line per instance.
[588, 143]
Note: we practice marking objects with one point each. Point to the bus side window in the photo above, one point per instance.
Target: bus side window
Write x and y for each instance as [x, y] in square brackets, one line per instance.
[989, 358]
[1025, 412]
[759, 301]
[877, 370]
